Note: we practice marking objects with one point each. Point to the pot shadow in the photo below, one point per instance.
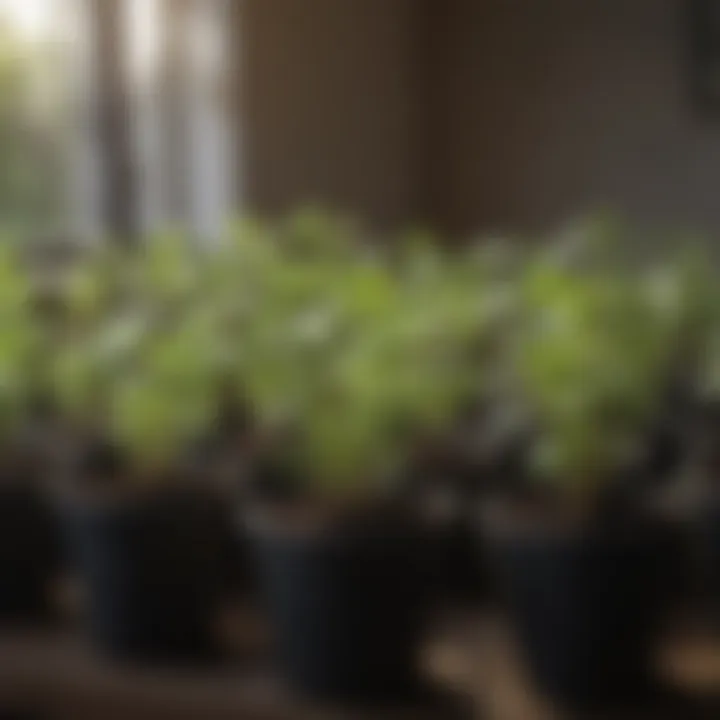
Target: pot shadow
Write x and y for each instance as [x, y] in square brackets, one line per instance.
[438, 703]
[663, 704]
[431, 702]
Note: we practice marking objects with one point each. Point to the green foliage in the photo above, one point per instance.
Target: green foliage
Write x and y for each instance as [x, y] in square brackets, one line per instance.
[325, 340]
[21, 343]
[599, 345]
[350, 355]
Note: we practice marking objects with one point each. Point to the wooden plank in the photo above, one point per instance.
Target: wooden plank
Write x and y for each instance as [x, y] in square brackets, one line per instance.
[473, 660]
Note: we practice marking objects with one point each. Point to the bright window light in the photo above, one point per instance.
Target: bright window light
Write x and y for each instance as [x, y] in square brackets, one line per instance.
[31, 17]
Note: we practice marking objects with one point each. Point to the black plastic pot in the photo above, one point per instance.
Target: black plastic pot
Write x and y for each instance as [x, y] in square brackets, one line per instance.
[586, 608]
[684, 559]
[346, 607]
[28, 553]
[453, 567]
[153, 571]
[455, 570]
[711, 538]
[239, 575]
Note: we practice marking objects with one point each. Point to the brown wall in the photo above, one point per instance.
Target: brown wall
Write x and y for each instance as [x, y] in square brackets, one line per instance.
[560, 106]
[329, 106]
[477, 114]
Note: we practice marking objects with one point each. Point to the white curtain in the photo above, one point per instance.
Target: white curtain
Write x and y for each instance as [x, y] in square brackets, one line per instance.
[85, 194]
[184, 126]
[182, 129]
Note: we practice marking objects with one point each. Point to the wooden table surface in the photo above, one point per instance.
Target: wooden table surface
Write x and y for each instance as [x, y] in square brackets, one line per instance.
[472, 659]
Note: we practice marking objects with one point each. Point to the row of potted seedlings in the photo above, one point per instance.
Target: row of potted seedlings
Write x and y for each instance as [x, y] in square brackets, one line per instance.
[359, 420]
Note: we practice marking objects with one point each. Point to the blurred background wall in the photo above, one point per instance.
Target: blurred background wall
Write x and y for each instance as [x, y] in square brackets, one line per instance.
[470, 115]
[476, 114]
[329, 106]
[560, 106]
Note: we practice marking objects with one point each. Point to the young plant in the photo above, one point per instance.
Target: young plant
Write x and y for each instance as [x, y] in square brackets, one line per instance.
[22, 349]
[134, 362]
[593, 359]
[359, 365]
